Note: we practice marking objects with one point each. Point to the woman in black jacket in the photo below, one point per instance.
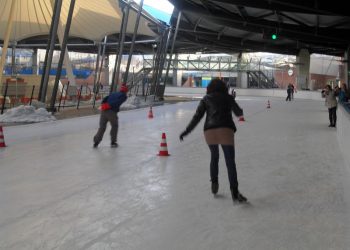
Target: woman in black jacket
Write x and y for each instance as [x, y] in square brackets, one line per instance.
[219, 128]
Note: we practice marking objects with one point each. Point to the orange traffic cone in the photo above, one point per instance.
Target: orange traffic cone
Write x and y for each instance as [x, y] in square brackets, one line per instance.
[268, 104]
[241, 119]
[163, 151]
[150, 113]
[2, 139]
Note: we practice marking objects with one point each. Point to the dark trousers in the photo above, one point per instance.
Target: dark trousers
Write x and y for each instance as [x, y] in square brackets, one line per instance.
[332, 115]
[105, 117]
[289, 96]
[229, 152]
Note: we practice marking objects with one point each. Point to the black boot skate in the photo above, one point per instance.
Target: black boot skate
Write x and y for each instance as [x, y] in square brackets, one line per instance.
[214, 187]
[238, 197]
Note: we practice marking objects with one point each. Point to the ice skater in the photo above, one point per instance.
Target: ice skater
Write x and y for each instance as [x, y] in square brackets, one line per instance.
[219, 129]
[331, 101]
[109, 113]
[289, 92]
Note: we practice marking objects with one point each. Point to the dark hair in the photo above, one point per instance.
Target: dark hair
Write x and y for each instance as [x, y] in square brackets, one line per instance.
[217, 85]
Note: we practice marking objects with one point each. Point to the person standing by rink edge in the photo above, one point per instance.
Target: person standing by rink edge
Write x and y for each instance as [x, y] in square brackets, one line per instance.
[219, 128]
[109, 113]
[331, 103]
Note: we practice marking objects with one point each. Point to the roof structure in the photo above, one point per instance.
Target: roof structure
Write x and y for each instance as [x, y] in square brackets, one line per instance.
[92, 20]
[247, 25]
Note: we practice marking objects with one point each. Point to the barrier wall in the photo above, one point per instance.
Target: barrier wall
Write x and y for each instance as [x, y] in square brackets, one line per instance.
[196, 92]
[343, 131]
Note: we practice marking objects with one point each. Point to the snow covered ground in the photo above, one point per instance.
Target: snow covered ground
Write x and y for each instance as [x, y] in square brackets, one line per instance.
[57, 192]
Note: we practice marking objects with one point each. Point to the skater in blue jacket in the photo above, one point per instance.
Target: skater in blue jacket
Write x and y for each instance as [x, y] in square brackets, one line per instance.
[109, 113]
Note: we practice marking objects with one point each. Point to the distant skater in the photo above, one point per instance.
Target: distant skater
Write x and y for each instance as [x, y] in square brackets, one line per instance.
[289, 92]
[293, 91]
[331, 103]
[233, 93]
[219, 129]
[109, 113]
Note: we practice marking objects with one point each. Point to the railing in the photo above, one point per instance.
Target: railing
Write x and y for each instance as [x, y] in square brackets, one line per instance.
[139, 82]
[12, 95]
[257, 79]
[18, 92]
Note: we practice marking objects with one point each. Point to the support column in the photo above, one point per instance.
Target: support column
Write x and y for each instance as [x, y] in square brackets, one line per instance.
[244, 80]
[66, 61]
[106, 70]
[62, 55]
[125, 78]
[346, 69]
[303, 70]
[49, 50]
[35, 62]
[119, 55]
[96, 85]
[104, 61]
[239, 82]
[172, 46]
[99, 47]
[13, 60]
[163, 53]
[179, 78]
[175, 70]
[69, 68]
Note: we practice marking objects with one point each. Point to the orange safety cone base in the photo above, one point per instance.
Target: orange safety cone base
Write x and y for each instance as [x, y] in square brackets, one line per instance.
[163, 153]
[2, 139]
[150, 113]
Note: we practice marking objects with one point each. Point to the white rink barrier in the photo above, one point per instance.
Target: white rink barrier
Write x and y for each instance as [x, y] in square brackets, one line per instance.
[198, 92]
[343, 132]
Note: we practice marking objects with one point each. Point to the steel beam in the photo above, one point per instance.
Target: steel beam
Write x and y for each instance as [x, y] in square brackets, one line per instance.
[62, 54]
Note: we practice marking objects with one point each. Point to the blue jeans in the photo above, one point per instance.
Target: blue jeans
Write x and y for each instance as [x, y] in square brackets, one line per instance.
[229, 152]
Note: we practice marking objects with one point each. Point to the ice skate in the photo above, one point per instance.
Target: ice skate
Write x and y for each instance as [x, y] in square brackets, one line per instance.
[214, 187]
[238, 197]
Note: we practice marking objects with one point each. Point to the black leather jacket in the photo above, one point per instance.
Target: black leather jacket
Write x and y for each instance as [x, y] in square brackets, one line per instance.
[218, 107]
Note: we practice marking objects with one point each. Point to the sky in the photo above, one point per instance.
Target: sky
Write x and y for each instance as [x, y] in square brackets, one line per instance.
[160, 9]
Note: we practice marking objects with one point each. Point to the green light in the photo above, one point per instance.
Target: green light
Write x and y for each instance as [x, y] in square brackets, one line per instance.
[274, 36]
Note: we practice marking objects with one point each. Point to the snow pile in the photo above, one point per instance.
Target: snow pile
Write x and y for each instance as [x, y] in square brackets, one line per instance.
[131, 103]
[26, 114]
[36, 104]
